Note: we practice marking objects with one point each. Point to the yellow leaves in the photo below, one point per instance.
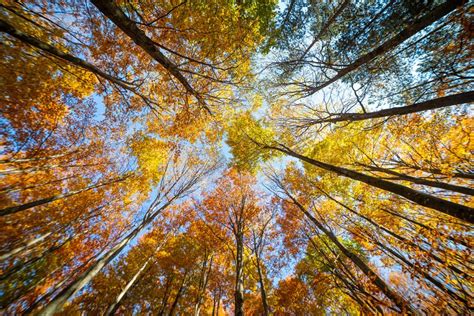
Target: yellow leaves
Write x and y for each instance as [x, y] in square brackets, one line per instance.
[152, 155]
[247, 138]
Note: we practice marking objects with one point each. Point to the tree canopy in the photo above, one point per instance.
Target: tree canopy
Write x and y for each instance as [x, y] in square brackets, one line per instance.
[245, 157]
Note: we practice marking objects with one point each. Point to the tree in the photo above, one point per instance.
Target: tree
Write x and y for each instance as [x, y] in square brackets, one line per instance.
[247, 157]
[235, 214]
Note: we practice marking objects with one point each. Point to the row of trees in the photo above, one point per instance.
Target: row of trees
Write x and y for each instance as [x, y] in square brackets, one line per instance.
[349, 186]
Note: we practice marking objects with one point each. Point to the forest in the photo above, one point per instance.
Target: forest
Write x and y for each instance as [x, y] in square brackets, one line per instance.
[236, 157]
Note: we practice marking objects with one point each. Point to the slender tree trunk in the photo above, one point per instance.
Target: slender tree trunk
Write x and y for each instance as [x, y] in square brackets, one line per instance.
[40, 239]
[164, 301]
[453, 239]
[450, 100]
[57, 303]
[26, 206]
[399, 301]
[325, 28]
[21, 160]
[349, 280]
[424, 273]
[416, 26]
[219, 297]
[50, 293]
[239, 278]
[30, 243]
[214, 302]
[178, 296]
[16, 188]
[431, 183]
[461, 175]
[22, 265]
[11, 30]
[400, 238]
[459, 211]
[206, 271]
[263, 292]
[112, 11]
[115, 305]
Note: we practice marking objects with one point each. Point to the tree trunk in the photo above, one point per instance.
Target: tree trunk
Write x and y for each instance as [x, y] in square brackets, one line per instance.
[450, 100]
[461, 175]
[26, 206]
[399, 301]
[15, 188]
[11, 30]
[206, 271]
[424, 273]
[459, 211]
[22, 265]
[219, 297]
[263, 292]
[28, 244]
[164, 301]
[422, 181]
[57, 303]
[453, 239]
[178, 296]
[115, 305]
[112, 11]
[416, 26]
[21, 160]
[410, 243]
[325, 28]
[239, 278]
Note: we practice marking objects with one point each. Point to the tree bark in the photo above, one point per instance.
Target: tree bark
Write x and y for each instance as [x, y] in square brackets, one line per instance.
[178, 296]
[399, 301]
[239, 278]
[400, 238]
[459, 211]
[11, 30]
[450, 100]
[57, 303]
[164, 300]
[112, 11]
[424, 273]
[431, 183]
[397, 214]
[26, 206]
[206, 271]
[115, 305]
[263, 292]
[416, 26]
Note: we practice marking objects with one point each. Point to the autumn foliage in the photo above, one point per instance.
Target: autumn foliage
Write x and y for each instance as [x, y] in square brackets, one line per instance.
[225, 157]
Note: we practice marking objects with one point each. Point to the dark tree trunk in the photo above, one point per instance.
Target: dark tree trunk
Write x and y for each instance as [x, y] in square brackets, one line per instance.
[112, 11]
[450, 100]
[422, 181]
[11, 30]
[239, 278]
[263, 292]
[178, 296]
[415, 27]
[26, 206]
[399, 301]
[459, 211]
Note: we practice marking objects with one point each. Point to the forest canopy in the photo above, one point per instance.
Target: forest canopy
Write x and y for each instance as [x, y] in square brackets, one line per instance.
[236, 157]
